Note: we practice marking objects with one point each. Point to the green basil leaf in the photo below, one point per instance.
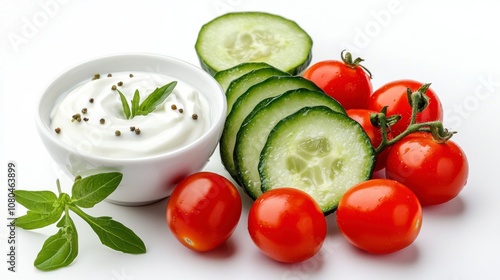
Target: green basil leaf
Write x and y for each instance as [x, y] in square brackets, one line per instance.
[126, 108]
[113, 234]
[156, 98]
[60, 249]
[34, 220]
[37, 201]
[135, 103]
[141, 113]
[91, 190]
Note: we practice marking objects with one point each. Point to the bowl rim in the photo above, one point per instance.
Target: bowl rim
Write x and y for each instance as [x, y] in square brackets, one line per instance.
[215, 127]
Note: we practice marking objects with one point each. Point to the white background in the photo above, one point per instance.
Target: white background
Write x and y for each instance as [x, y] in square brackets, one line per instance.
[454, 45]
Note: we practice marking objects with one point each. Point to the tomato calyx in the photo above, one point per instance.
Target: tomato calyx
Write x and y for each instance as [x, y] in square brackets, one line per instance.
[418, 102]
[347, 59]
[387, 122]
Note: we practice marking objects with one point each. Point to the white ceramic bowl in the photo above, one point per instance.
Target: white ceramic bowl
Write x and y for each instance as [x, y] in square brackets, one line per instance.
[145, 179]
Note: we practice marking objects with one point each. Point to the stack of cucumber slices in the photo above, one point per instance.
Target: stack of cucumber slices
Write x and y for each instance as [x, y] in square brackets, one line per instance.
[282, 130]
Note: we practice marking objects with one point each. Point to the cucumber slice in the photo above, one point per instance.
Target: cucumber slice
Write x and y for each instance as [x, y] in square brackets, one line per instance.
[225, 77]
[319, 151]
[238, 37]
[252, 135]
[244, 105]
[240, 85]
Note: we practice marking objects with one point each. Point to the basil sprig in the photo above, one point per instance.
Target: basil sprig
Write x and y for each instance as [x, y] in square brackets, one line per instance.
[46, 208]
[149, 104]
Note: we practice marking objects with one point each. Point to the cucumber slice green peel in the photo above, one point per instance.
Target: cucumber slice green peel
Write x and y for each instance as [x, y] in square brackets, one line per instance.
[239, 86]
[244, 105]
[225, 77]
[252, 135]
[238, 37]
[319, 151]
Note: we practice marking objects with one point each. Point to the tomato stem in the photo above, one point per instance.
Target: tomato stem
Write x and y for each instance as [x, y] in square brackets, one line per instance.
[418, 101]
[347, 59]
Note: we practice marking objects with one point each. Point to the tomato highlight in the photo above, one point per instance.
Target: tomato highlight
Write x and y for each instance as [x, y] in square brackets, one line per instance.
[344, 80]
[394, 95]
[436, 172]
[203, 211]
[287, 225]
[379, 216]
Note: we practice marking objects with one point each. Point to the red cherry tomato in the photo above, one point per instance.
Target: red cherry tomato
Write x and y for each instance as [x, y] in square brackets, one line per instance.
[394, 96]
[379, 216]
[362, 116]
[203, 211]
[287, 225]
[436, 172]
[345, 81]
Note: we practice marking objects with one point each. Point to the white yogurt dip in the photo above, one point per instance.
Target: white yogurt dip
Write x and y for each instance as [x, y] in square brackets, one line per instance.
[91, 118]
